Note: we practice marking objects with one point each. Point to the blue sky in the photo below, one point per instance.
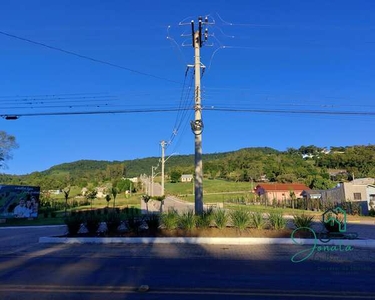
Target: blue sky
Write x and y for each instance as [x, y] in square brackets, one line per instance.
[285, 55]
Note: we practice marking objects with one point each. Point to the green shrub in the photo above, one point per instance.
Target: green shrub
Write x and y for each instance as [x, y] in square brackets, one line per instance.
[276, 221]
[92, 223]
[153, 222]
[220, 218]
[187, 220]
[204, 220]
[371, 213]
[240, 219]
[170, 220]
[74, 223]
[113, 221]
[302, 221]
[257, 220]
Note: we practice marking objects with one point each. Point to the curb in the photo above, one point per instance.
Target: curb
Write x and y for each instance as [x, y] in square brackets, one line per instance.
[208, 240]
[32, 227]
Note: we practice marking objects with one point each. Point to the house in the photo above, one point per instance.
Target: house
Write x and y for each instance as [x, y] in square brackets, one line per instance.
[55, 192]
[371, 196]
[361, 191]
[186, 178]
[356, 190]
[335, 196]
[84, 191]
[279, 192]
[132, 179]
[101, 192]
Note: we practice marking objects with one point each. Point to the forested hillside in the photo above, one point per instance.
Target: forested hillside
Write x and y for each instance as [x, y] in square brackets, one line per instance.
[316, 167]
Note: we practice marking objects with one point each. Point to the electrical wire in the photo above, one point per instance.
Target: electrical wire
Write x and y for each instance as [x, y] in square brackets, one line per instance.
[126, 111]
[87, 57]
[184, 106]
[313, 112]
[180, 106]
[51, 95]
[185, 126]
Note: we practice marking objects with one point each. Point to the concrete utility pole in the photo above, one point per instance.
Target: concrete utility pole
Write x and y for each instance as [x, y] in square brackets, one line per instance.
[197, 125]
[152, 181]
[163, 144]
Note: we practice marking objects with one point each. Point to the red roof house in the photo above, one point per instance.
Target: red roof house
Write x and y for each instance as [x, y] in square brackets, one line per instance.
[280, 191]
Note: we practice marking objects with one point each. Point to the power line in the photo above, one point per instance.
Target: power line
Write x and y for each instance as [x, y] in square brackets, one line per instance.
[126, 111]
[314, 112]
[87, 57]
[51, 95]
[172, 109]
[184, 106]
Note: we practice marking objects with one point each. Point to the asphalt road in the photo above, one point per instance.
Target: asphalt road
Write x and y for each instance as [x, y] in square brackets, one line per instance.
[29, 270]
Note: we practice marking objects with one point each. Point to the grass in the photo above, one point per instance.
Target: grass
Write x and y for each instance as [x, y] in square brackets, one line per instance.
[302, 221]
[268, 209]
[241, 219]
[210, 186]
[121, 202]
[59, 220]
[187, 221]
[215, 198]
[221, 218]
[276, 221]
[204, 220]
[257, 220]
[170, 220]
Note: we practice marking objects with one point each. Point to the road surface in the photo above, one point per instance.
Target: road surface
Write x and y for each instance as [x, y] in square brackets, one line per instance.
[29, 270]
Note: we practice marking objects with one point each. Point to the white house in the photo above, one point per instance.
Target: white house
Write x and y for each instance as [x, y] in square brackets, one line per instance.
[186, 178]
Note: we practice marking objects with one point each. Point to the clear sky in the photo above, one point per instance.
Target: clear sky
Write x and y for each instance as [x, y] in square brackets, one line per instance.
[285, 55]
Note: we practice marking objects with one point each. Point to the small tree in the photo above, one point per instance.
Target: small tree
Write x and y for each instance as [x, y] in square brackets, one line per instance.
[292, 196]
[146, 198]
[108, 198]
[7, 144]
[91, 195]
[175, 176]
[66, 195]
[114, 192]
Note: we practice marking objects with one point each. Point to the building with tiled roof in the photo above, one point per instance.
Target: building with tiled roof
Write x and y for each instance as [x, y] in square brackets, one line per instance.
[279, 191]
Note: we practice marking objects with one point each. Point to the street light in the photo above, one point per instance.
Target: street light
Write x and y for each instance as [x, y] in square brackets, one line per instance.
[163, 161]
[152, 178]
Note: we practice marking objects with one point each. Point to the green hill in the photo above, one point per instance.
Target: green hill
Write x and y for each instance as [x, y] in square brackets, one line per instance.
[311, 165]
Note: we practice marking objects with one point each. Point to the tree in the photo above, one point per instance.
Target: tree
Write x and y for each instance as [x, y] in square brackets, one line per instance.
[108, 198]
[91, 195]
[124, 185]
[66, 195]
[146, 198]
[293, 197]
[114, 192]
[7, 144]
[175, 176]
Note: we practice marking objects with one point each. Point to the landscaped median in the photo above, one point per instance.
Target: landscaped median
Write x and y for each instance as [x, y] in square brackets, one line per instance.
[219, 227]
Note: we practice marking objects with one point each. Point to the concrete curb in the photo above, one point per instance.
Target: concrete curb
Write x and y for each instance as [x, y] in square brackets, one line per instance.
[206, 240]
[32, 227]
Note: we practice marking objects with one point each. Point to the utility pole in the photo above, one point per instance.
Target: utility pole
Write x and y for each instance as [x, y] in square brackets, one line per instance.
[198, 38]
[152, 181]
[163, 144]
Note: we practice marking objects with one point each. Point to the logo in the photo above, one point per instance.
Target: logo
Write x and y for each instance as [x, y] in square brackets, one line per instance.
[335, 217]
[334, 226]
